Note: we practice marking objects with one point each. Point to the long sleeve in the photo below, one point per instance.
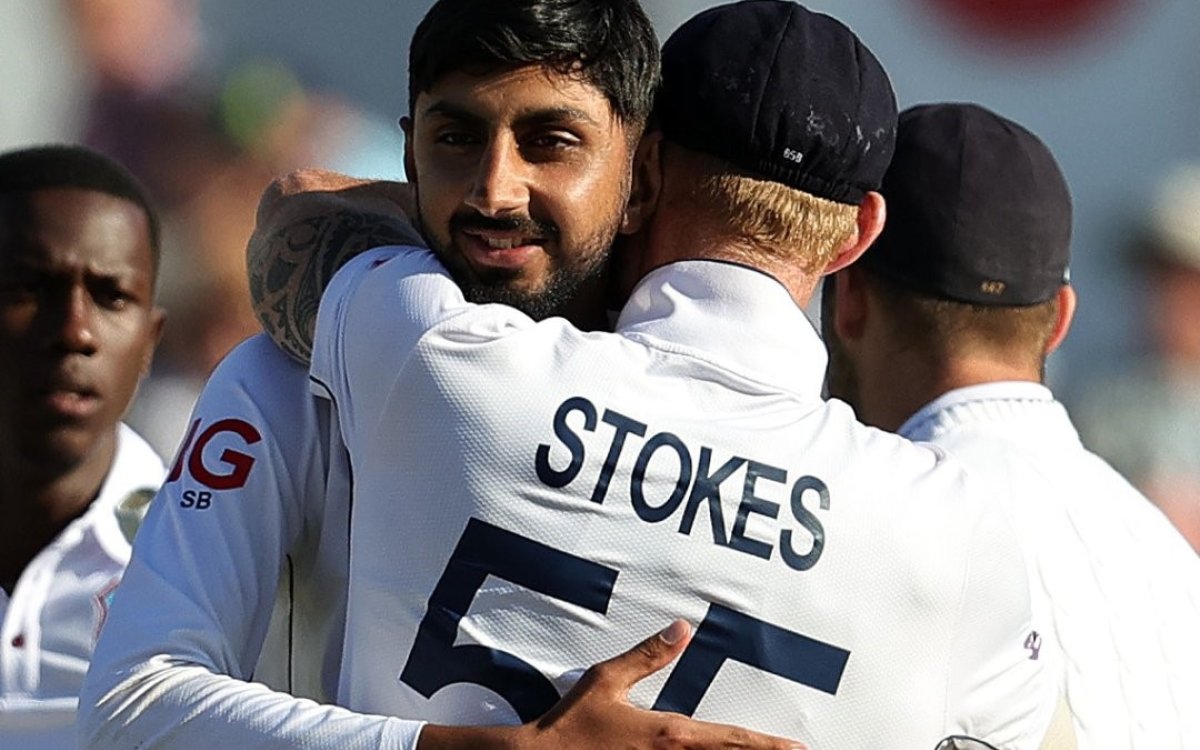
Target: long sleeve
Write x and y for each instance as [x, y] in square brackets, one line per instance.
[187, 626]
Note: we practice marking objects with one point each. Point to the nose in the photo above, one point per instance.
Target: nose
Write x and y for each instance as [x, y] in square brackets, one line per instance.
[500, 186]
[72, 324]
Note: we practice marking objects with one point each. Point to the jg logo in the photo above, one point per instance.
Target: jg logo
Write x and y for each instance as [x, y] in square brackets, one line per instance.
[229, 471]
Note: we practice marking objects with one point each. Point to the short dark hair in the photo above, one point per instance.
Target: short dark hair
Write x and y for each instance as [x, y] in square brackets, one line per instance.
[73, 166]
[608, 44]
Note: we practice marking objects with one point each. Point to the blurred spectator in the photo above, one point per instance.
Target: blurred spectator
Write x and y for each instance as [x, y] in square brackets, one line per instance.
[1147, 422]
[79, 247]
[151, 108]
[41, 92]
[205, 146]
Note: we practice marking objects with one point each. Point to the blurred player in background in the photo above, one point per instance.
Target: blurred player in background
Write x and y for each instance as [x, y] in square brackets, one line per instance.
[942, 332]
[1147, 422]
[258, 497]
[528, 495]
[79, 247]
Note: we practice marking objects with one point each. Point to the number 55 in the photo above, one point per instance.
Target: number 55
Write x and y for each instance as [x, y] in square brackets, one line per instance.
[483, 550]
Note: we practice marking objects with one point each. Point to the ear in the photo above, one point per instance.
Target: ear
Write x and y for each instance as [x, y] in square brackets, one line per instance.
[1066, 313]
[850, 307]
[872, 212]
[158, 317]
[410, 163]
[645, 183]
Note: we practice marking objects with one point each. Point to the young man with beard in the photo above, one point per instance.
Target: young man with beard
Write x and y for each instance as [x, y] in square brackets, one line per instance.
[79, 249]
[941, 333]
[258, 497]
[528, 494]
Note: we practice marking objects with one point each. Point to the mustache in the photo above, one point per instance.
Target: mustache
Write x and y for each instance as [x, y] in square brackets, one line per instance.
[522, 225]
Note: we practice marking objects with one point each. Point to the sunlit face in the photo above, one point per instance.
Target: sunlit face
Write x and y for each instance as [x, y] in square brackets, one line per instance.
[77, 320]
[522, 179]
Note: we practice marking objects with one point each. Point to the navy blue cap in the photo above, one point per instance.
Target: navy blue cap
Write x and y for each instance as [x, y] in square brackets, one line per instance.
[978, 210]
[783, 93]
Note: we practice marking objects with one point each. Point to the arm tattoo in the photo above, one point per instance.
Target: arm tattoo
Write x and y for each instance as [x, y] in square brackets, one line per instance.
[290, 267]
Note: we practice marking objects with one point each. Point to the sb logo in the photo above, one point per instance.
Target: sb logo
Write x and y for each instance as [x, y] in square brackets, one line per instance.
[235, 465]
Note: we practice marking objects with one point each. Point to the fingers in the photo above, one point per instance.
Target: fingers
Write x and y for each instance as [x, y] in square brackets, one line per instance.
[701, 735]
[294, 183]
[622, 672]
[317, 181]
[301, 183]
[596, 711]
[400, 193]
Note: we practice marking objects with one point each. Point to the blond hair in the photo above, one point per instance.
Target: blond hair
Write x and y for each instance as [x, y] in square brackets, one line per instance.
[771, 218]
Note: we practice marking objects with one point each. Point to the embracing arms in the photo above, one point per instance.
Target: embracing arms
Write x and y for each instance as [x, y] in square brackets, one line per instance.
[309, 224]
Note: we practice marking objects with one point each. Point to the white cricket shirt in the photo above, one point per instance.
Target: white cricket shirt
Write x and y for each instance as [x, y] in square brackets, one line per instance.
[1121, 585]
[530, 499]
[52, 620]
[253, 518]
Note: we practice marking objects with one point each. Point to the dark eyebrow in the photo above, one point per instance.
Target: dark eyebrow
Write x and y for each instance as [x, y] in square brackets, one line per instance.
[557, 114]
[17, 263]
[454, 112]
[545, 115]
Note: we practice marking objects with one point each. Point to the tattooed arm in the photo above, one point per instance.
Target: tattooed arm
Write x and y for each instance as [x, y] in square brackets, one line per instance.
[309, 224]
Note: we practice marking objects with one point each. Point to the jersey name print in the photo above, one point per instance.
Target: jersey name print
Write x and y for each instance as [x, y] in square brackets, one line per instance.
[692, 488]
[530, 499]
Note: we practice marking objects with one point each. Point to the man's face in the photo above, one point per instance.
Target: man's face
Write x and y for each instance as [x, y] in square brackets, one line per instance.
[77, 320]
[522, 180]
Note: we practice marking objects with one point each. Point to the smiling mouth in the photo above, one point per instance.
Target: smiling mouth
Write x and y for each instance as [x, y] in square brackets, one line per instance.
[502, 244]
[500, 250]
[498, 241]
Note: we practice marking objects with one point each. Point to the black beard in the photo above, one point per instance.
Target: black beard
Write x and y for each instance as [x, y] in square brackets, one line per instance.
[566, 278]
[562, 287]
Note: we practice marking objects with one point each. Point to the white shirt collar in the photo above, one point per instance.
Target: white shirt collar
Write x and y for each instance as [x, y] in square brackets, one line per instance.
[135, 468]
[736, 316]
[921, 426]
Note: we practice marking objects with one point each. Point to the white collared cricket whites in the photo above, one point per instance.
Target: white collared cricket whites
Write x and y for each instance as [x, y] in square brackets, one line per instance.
[52, 620]
[1120, 585]
[253, 518]
[530, 499]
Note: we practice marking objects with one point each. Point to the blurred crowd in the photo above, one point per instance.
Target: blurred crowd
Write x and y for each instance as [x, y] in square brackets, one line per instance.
[1145, 419]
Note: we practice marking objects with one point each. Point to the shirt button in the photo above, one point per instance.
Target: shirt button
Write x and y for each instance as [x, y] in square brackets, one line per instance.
[18, 641]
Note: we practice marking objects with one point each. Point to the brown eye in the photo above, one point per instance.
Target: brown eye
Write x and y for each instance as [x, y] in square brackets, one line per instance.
[457, 138]
[110, 296]
[553, 140]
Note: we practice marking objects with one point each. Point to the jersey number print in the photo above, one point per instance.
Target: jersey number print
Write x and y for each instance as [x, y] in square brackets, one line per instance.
[484, 549]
